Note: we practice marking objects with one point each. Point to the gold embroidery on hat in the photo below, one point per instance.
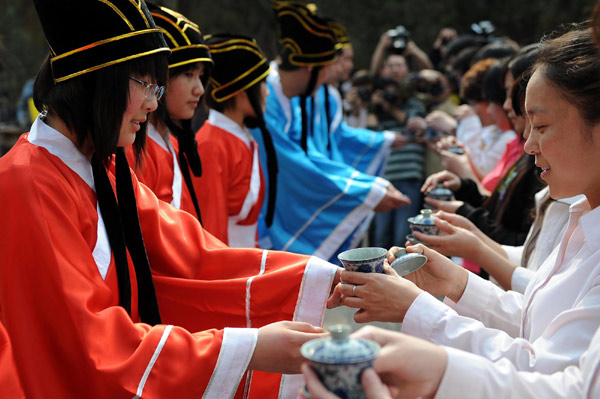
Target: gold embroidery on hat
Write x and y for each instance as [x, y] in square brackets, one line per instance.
[112, 39]
[237, 44]
[242, 76]
[182, 24]
[138, 5]
[118, 12]
[190, 61]
[95, 68]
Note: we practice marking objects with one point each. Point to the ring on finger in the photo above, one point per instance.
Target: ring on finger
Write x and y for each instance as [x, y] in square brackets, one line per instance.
[354, 290]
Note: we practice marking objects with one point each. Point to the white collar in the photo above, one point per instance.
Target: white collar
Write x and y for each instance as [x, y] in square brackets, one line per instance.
[62, 147]
[155, 135]
[222, 121]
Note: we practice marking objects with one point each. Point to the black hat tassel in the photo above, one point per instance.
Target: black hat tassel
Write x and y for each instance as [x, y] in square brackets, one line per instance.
[272, 166]
[188, 156]
[124, 232]
[147, 302]
[328, 116]
[312, 83]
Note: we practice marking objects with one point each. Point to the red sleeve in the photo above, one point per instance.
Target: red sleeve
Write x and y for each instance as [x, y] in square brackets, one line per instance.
[202, 284]
[10, 385]
[70, 338]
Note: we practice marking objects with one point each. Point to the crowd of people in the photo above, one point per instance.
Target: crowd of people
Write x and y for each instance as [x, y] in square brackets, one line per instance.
[143, 257]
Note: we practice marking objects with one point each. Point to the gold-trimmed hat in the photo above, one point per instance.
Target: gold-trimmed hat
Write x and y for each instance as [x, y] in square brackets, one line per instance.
[341, 35]
[305, 37]
[87, 35]
[183, 37]
[239, 65]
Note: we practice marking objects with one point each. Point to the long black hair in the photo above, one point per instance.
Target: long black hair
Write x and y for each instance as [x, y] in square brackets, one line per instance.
[92, 105]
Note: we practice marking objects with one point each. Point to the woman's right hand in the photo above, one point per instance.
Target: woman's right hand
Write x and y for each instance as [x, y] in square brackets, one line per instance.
[448, 179]
[278, 346]
[392, 199]
[453, 240]
[439, 276]
[409, 366]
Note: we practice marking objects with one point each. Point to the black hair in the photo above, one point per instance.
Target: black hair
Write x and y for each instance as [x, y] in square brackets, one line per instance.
[496, 50]
[161, 111]
[523, 60]
[92, 105]
[517, 92]
[493, 85]
[464, 60]
[471, 85]
[571, 63]
[460, 43]
[210, 102]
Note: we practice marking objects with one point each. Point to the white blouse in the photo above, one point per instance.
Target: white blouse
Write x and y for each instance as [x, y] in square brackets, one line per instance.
[547, 328]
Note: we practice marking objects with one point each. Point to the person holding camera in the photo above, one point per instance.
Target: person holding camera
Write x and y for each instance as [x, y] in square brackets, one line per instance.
[395, 47]
[393, 106]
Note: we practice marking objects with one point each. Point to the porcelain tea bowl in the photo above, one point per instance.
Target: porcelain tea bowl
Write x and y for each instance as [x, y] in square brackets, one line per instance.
[424, 223]
[339, 360]
[406, 263]
[456, 150]
[365, 260]
[413, 240]
[439, 193]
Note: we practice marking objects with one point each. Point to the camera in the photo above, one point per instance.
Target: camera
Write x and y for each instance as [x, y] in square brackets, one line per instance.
[391, 96]
[483, 28]
[400, 37]
[364, 93]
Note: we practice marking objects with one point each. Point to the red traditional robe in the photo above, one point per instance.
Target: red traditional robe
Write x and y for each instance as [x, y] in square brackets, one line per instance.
[10, 386]
[59, 294]
[232, 187]
[159, 170]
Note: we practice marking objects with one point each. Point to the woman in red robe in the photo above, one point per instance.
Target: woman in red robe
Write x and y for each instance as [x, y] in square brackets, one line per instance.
[126, 296]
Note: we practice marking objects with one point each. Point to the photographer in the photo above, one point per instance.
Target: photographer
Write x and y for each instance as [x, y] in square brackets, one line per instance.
[394, 106]
[396, 44]
[438, 51]
[358, 99]
[433, 89]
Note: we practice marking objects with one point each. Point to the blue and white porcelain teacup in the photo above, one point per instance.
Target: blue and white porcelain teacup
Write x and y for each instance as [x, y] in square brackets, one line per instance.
[365, 260]
[424, 223]
[340, 360]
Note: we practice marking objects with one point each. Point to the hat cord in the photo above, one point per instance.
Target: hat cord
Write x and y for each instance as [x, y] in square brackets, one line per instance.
[124, 232]
[188, 156]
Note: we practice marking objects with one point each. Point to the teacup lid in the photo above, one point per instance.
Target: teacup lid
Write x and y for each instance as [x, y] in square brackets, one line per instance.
[426, 217]
[456, 150]
[440, 191]
[406, 263]
[339, 348]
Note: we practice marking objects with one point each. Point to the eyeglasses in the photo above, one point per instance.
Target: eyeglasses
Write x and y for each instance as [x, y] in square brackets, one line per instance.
[152, 90]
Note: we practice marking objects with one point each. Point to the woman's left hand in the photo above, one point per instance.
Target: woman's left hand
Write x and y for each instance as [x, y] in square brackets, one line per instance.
[446, 206]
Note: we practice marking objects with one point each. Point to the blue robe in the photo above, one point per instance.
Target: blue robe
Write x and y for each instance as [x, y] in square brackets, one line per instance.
[363, 149]
[322, 204]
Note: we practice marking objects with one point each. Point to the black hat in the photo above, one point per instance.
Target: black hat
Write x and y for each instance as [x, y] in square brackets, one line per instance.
[239, 65]
[87, 35]
[306, 38]
[182, 35]
[341, 35]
